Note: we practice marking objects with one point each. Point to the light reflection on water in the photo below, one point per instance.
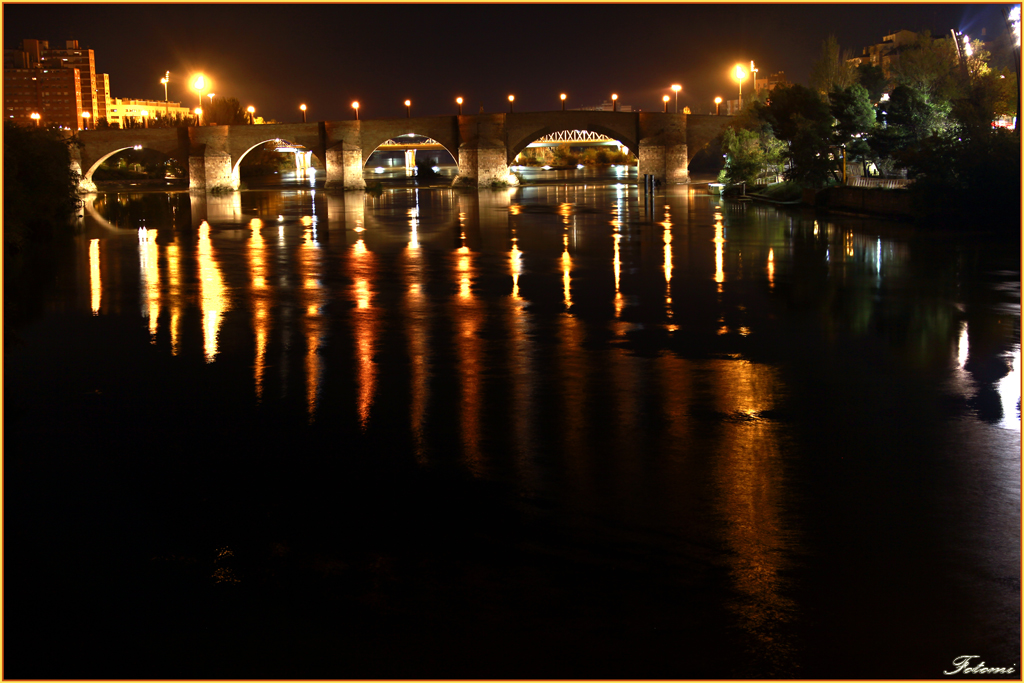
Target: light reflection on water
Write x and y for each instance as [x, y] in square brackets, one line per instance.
[649, 368]
[845, 252]
[260, 297]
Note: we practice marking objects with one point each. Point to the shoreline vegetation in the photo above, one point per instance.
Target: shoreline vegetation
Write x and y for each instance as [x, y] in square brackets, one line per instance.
[39, 214]
[932, 119]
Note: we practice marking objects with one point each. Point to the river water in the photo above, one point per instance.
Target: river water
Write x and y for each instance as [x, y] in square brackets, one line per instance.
[561, 430]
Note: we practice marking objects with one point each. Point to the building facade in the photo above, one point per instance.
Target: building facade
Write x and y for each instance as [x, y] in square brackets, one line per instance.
[886, 53]
[125, 110]
[55, 95]
[771, 82]
[66, 85]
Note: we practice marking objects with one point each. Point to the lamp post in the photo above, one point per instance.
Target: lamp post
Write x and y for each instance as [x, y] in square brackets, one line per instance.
[718, 106]
[615, 102]
[562, 97]
[355, 106]
[511, 99]
[753, 77]
[739, 74]
[458, 100]
[408, 109]
[85, 120]
[199, 84]
[165, 80]
[664, 99]
[35, 116]
[210, 95]
[252, 111]
[676, 88]
[302, 107]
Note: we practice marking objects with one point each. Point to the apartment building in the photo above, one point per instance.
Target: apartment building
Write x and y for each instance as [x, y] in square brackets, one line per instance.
[55, 95]
[59, 84]
[887, 52]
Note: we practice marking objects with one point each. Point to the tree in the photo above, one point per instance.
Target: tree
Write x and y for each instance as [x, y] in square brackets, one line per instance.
[855, 120]
[926, 65]
[162, 120]
[906, 120]
[873, 79]
[786, 108]
[798, 116]
[37, 171]
[831, 71]
[751, 155]
[972, 182]
[854, 115]
[226, 111]
[932, 66]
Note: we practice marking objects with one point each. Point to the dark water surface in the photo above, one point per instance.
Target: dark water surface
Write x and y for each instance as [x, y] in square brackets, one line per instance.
[551, 431]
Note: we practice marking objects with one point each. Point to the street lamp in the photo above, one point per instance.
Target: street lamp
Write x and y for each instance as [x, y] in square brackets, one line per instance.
[210, 95]
[753, 76]
[664, 99]
[355, 106]
[252, 111]
[408, 109]
[85, 120]
[718, 106]
[303, 108]
[200, 85]
[458, 100]
[562, 97]
[739, 74]
[511, 99]
[35, 115]
[676, 88]
[615, 102]
[165, 80]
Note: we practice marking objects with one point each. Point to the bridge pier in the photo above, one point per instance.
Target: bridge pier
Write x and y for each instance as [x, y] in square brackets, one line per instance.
[345, 167]
[483, 156]
[663, 151]
[207, 170]
[667, 163]
[85, 185]
[481, 166]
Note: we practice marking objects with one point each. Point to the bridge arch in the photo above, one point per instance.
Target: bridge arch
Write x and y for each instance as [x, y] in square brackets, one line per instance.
[515, 148]
[523, 129]
[94, 164]
[236, 161]
[442, 129]
[370, 145]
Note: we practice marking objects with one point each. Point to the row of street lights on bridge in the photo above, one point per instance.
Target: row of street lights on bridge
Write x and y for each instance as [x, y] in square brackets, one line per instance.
[738, 73]
[200, 83]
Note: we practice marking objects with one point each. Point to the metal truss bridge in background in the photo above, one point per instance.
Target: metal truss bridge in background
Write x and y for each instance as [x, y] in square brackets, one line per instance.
[582, 138]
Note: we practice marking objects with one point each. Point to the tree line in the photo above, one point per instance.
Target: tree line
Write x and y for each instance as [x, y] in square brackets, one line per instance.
[930, 119]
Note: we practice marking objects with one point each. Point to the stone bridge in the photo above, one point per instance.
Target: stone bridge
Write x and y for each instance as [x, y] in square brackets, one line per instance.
[483, 145]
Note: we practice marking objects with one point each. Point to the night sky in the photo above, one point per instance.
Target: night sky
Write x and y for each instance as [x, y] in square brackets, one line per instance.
[327, 55]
